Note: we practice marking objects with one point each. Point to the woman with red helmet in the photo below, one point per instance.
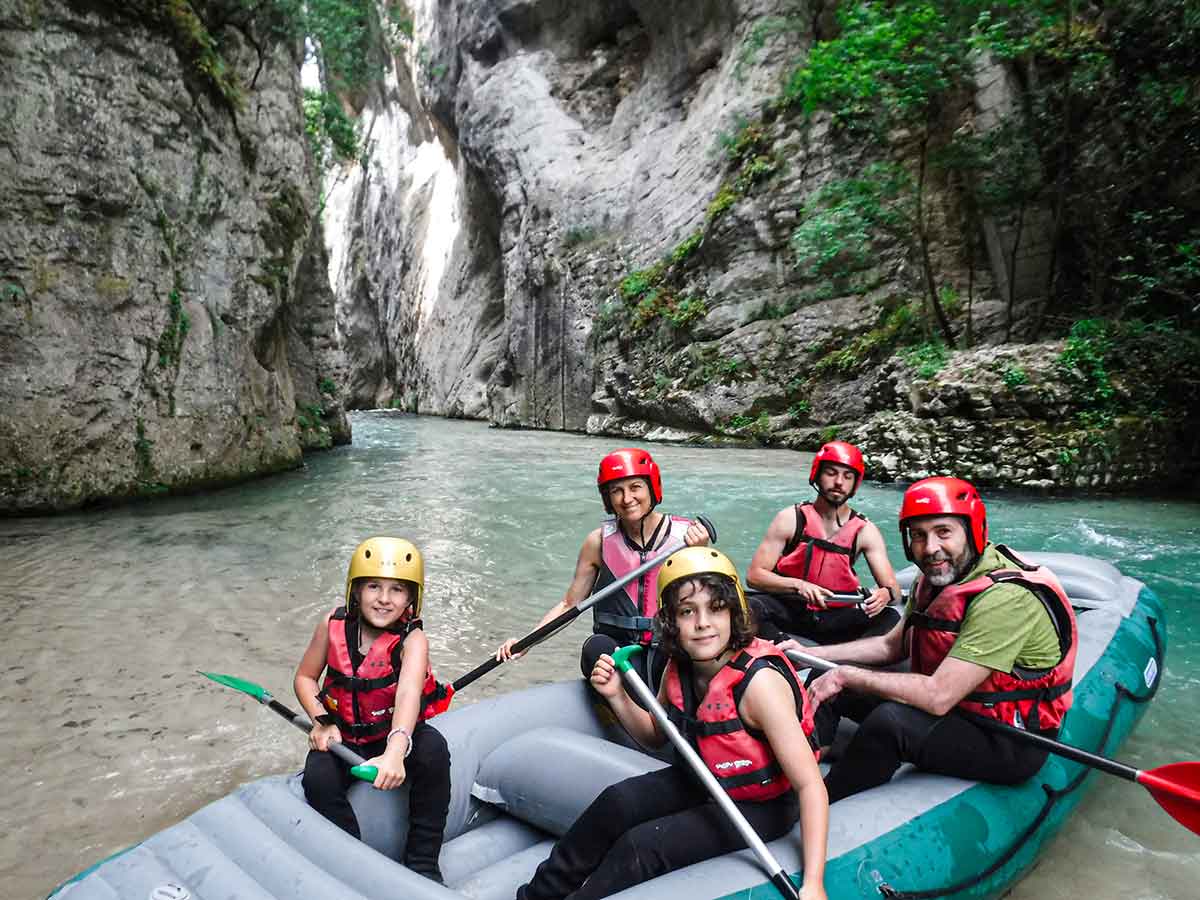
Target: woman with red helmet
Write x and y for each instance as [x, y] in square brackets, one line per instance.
[984, 632]
[808, 554]
[630, 486]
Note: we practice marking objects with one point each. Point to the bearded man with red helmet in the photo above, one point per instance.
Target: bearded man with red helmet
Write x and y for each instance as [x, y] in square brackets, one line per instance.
[985, 633]
[630, 486]
[808, 555]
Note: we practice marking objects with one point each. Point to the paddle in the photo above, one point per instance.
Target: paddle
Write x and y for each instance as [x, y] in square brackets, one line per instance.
[837, 601]
[647, 699]
[544, 631]
[303, 722]
[1175, 786]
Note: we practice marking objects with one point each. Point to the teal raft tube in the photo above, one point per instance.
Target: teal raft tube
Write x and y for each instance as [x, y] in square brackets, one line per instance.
[524, 765]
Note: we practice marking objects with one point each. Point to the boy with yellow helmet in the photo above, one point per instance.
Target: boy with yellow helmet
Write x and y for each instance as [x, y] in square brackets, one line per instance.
[378, 690]
[739, 701]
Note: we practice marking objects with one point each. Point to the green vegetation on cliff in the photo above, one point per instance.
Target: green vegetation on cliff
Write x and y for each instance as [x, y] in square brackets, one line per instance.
[342, 35]
[962, 173]
[1108, 102]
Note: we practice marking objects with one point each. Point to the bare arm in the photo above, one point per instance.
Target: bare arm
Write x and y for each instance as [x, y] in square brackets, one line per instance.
[761, 575]
[586, 569]
[406, 708]
[870, 542]
[641, 726]
[936, 694]
[312, 664]
[769, 706]
[881, 650]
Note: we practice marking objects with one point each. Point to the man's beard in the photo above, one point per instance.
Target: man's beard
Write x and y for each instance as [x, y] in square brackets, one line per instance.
[835, 502]
[958, 567]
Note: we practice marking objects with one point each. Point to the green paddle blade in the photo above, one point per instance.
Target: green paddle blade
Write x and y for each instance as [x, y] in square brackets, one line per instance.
[621, 656]
[365, 772]
[257, 691]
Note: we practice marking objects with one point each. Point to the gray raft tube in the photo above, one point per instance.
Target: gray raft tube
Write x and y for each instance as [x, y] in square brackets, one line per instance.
[523, 767]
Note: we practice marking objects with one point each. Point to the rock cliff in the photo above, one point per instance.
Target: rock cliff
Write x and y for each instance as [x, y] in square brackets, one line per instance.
[165, 322]
[582, 216]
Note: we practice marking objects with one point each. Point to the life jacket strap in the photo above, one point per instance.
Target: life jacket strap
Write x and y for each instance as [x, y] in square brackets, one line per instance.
[354, 683]
[757, 776]
[692, 727]
[929, 623]
[991, 698]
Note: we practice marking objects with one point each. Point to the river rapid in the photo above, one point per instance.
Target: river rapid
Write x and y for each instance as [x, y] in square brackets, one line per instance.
[110, 735]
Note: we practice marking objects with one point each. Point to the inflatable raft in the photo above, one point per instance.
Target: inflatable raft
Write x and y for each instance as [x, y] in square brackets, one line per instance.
[526, 764]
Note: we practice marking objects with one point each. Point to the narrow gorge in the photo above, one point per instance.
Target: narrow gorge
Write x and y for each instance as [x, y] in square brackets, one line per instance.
[957, 239]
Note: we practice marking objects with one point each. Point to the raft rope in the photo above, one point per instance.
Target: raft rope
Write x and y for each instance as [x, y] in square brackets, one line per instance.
[1052, 795]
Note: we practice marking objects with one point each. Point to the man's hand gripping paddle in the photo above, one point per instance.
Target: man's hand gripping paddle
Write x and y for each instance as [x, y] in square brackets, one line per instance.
[834, 601]
[263, 696]
[645, 696]
[1175, 786]
[540, 634]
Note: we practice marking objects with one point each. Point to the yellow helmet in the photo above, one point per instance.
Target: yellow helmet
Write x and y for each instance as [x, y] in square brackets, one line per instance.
[385, 557]
[691, 561]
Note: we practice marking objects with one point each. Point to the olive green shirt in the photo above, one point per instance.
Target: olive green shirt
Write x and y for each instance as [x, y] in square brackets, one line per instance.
[1006, 625]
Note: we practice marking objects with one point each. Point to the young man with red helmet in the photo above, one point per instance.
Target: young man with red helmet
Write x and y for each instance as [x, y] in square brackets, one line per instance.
[630, 486]
[809, 552]
[985, 634]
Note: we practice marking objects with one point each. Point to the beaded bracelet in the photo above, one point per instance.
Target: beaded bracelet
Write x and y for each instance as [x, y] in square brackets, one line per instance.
[407, 736]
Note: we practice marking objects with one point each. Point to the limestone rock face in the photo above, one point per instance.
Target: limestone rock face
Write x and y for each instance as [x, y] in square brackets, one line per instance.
[153, 329]
[577, 139]
[528, 161]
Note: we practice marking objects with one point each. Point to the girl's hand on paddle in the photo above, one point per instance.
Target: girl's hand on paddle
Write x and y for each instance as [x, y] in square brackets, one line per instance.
[505, 652]
[812, 892]
[391, 769]
[321, 736]
[696, 535]
[877, 602]
[605, 678]
[813, 593]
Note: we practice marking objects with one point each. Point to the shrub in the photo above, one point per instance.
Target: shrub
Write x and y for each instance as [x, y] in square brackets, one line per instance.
[927, 359]
[1014, 376]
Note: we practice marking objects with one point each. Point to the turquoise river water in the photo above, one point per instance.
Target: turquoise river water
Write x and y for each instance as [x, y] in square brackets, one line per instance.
[109, 735]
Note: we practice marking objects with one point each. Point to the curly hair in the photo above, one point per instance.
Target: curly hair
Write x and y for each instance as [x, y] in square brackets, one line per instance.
[742, 627]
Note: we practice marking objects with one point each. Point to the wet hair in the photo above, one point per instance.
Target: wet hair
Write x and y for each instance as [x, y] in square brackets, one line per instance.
[742, 627]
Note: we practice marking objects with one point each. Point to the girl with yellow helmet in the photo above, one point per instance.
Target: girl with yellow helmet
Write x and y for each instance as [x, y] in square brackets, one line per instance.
[739, 701]
[378, 690]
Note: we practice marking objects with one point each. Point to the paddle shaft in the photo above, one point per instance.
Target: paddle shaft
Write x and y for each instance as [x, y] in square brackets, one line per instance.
[566, 618]
[837, 601]
[647, 699]
[304, 723]
[1104, 764]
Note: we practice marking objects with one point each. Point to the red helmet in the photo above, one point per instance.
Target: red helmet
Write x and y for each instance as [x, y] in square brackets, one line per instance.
[945, 497]
[629, 463]
[843, 454]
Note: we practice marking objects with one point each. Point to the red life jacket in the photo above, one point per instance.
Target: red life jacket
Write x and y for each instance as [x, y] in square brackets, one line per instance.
[739, 756]
[828, 563]
[632, 610]
[361, 702]
[1036, 699]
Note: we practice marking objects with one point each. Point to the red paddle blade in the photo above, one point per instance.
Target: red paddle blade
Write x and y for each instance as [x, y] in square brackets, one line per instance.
[1176, 787]
[442, 703]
